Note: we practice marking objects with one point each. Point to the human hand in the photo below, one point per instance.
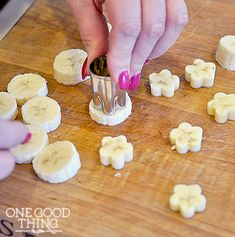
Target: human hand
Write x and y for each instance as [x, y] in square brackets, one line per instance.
[11, 134]
[142, 30]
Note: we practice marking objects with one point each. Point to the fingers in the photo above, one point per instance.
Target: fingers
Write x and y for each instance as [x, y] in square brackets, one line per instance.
[126, 21]
[153, 27]
[176, 19]
[92, 27]
[7, 164]
[12, 134]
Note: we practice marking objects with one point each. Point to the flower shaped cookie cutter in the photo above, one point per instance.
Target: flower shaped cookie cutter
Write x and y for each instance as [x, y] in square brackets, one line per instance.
[222, 107]
[164, 83]
[116, 151]
[186, 138]
[200, 74]
[187, 199]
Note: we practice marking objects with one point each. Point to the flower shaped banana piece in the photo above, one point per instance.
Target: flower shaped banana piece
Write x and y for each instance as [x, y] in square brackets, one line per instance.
[200, 74]
[186, 137]
[164, 83]
[116, 151]
[222, 107]
[225, 54]
[187, 199]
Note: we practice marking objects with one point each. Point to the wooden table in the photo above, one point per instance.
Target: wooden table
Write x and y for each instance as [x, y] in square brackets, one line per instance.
[135, 204]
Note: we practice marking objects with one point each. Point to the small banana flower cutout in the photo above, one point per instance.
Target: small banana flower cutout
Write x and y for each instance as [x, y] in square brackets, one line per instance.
[187, 199]
[116, 151]
[222, 107]
[164, 83]
[200, 74]
[186, 138]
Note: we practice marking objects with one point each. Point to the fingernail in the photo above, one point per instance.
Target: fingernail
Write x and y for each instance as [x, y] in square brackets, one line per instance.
[134, 81]
[147, 61]
[84, 67]
[27, 139]
[124, 80]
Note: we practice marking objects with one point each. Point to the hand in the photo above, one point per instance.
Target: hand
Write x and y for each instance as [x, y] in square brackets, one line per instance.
[11, 134]
[142, 30]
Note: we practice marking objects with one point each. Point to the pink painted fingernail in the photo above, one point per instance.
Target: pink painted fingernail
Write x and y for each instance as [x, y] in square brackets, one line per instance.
[135, 80]
[27, 139]
[147, 61]
[124, 80]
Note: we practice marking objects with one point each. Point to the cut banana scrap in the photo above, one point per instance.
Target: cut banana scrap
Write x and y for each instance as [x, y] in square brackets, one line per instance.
[111, 120]
[25, 153]
[186, 138]
[164, 83]
[26, 86]
[57, 163]
[42, 111]
[187, 199]
[225, 54]
[222, 107]
[116, 151]
[8, 106]
[68, 66]
[200, 74]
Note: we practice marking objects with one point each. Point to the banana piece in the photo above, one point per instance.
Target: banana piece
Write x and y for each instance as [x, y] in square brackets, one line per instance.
[24, 153]
[42, 111]
[222, 107]
[116, 151]
[200, 74]
[118, 117]
[57, 163]
[186, 138]
[187, 199]
[164, 83]
[68, 66]
[225, 54]
[26, 86]
[8, 106]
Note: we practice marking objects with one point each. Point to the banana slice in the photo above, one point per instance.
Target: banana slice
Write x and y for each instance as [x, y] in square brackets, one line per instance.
[25, 153]
[225, 54]
[43, 112]
[26, 86]
[118, 117]
[8, 106]
[68, 66]
[57, 163]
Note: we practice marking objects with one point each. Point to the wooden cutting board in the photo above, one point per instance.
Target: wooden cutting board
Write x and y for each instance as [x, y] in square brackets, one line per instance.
[135, 204]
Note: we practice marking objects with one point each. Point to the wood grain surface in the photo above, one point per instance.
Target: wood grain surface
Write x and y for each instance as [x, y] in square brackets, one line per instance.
[135, 204]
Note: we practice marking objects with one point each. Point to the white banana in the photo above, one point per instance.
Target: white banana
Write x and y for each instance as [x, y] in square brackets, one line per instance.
[43, 112]
[26, 86]
[111, 120]
[24, 153]
[225, 54]
[57, 163]
[8, 106]
[68, 66]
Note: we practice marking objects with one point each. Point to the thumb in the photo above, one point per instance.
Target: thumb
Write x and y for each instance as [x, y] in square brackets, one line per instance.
[7, 164]
[92, 27]
[12, 134]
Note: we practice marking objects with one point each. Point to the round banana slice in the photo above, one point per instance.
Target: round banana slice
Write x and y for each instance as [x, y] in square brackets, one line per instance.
[111, 120]
[68, 66]
[24, 153]
[42, 111]
[57, 163]
[8, 106]
[26, 86]
[225, 54]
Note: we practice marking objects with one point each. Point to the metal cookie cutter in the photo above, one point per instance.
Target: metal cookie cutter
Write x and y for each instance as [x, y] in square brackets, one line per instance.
[107, 96]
